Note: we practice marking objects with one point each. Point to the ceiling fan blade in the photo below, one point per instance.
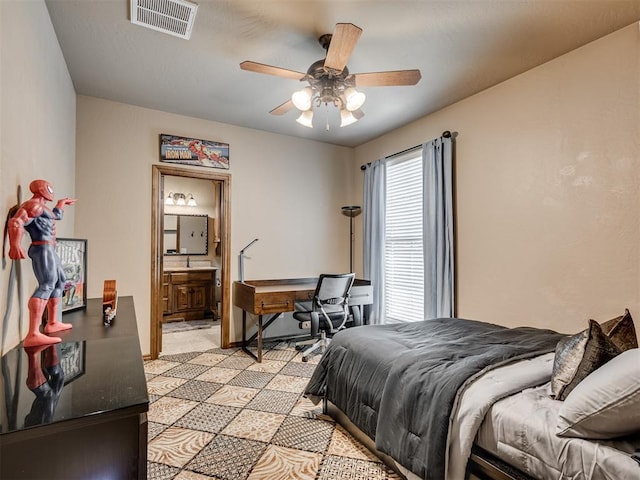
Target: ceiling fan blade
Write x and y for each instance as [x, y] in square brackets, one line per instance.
[343, 41]
[388, 79]
[282, 109]
[270, 70]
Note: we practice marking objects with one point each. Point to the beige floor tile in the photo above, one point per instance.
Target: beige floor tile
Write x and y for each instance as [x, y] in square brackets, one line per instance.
[209, 359]
[156, 367]
[176, 446]
[233, 396]
[281, 463]
[167, 410]
[305, 408]
[161, 385]
[254, 425]
[288, 383]
[218, 375]
[344, 445]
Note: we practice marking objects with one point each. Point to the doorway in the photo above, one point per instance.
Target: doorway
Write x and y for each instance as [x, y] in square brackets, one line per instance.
[223, 182]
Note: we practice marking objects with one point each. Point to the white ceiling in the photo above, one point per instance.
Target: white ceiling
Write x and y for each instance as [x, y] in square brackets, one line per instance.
[460, 46]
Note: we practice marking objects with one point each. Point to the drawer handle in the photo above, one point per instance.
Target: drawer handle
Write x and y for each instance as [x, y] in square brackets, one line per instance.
[285, 304]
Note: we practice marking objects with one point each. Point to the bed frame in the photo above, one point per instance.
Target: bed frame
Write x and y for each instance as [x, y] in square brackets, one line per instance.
[482, 464]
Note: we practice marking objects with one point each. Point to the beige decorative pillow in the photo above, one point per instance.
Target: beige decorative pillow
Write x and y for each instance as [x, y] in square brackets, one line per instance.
[579, 355]
[621, 331]
[606, 404]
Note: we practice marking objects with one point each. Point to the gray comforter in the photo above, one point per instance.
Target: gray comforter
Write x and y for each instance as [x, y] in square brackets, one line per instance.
[398, 382]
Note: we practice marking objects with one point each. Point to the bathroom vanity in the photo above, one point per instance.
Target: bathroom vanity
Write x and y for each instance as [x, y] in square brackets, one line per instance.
[188, 293]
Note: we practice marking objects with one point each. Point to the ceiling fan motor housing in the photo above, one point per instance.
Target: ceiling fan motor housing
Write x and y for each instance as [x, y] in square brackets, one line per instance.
[328, 86]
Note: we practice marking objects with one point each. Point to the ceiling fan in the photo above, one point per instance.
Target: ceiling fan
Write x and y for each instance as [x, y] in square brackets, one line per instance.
[330, 82]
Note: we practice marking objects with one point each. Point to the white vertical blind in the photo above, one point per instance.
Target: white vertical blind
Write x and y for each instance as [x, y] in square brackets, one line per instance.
[404, 264]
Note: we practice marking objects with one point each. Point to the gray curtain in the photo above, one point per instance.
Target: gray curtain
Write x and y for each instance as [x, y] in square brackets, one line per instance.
[438, 229]
[373, 235]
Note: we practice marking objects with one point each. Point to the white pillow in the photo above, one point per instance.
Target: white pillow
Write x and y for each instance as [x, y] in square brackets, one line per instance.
[606, 404]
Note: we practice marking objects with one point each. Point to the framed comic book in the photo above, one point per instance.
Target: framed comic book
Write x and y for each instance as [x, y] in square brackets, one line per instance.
[73, 256]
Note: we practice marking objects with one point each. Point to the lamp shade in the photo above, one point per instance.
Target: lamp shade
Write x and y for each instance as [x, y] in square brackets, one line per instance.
[302, 99]
[305, 119]
[348, 118]
[354, 99]
[169, 199]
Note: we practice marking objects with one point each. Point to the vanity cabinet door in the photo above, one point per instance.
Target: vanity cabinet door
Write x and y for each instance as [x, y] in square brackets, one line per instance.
[199, 296]
[181, 297]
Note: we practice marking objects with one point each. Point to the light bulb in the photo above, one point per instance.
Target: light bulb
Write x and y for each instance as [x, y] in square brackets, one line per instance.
[302, 98]
[305, 119]
[354, 99]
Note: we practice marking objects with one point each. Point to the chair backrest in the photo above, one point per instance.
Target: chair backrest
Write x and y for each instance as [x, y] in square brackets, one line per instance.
[332, 292]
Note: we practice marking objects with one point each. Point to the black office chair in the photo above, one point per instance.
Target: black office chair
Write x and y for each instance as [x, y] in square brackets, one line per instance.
[327, 312]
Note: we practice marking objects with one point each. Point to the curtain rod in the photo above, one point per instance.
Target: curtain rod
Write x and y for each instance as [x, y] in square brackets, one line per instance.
[445, 134]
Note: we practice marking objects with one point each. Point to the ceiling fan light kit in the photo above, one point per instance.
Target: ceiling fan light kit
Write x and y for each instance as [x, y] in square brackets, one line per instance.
[330, 82]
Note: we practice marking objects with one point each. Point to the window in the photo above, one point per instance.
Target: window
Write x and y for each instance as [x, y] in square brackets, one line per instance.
[403, 262]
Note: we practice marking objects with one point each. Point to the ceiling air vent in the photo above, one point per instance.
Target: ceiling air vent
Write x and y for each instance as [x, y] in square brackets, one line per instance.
[174, 17]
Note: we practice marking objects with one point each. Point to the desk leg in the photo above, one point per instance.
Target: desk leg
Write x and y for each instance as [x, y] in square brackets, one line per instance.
[258, 335]
[259, 356]
[244, 329]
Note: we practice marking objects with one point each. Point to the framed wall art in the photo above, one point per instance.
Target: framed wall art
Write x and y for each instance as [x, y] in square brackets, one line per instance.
[192, 151]
[73, 256]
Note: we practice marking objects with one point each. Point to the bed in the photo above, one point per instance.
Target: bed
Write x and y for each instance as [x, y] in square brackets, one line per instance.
[434, 400]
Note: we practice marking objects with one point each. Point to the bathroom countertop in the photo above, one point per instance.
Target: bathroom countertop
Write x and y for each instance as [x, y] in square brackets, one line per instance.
[184, 268]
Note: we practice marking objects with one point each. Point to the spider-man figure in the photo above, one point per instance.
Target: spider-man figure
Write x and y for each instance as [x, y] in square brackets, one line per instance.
[39, 221]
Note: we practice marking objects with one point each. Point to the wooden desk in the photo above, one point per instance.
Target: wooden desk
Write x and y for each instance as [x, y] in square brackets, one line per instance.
[260, 297]
[93, 423]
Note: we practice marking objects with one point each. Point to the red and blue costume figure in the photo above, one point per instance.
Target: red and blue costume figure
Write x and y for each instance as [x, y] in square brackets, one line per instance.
[40, 222]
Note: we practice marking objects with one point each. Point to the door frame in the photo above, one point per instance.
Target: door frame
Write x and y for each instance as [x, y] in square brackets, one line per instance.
[157, 257]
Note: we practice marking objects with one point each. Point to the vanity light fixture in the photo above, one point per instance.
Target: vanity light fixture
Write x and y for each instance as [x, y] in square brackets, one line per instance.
[180, 199]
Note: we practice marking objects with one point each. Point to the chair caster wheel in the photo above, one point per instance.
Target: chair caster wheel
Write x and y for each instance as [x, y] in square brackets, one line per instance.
[305, 359]
[299, 348]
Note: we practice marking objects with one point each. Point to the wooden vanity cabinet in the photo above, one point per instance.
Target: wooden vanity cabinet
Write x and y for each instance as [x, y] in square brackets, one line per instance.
[188, 295]
[166, 297]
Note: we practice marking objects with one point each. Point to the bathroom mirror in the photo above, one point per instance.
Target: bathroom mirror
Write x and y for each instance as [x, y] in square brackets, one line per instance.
[185, 234]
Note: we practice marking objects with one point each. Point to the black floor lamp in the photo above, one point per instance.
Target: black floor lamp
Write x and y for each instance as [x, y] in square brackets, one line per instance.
[351, 211]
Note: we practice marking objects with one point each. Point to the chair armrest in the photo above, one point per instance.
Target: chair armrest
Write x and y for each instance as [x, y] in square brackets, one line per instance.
[315, 324]
[303, 306]
[357, 316]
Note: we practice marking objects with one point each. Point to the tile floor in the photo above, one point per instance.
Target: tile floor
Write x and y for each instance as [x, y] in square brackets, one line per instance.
[220, 415]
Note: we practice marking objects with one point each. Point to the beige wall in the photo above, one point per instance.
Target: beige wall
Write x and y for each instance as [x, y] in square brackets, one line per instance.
[37, 130]
[548, 189]
[547, 176]
[285, 191]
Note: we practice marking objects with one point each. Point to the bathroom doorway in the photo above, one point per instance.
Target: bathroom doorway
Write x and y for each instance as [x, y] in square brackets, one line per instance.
[218, 243]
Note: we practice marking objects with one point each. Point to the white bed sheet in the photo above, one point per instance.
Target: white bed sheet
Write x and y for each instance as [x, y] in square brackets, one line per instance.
[520, 429]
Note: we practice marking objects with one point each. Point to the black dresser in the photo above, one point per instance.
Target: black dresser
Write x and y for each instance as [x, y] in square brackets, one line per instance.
[88, 420]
